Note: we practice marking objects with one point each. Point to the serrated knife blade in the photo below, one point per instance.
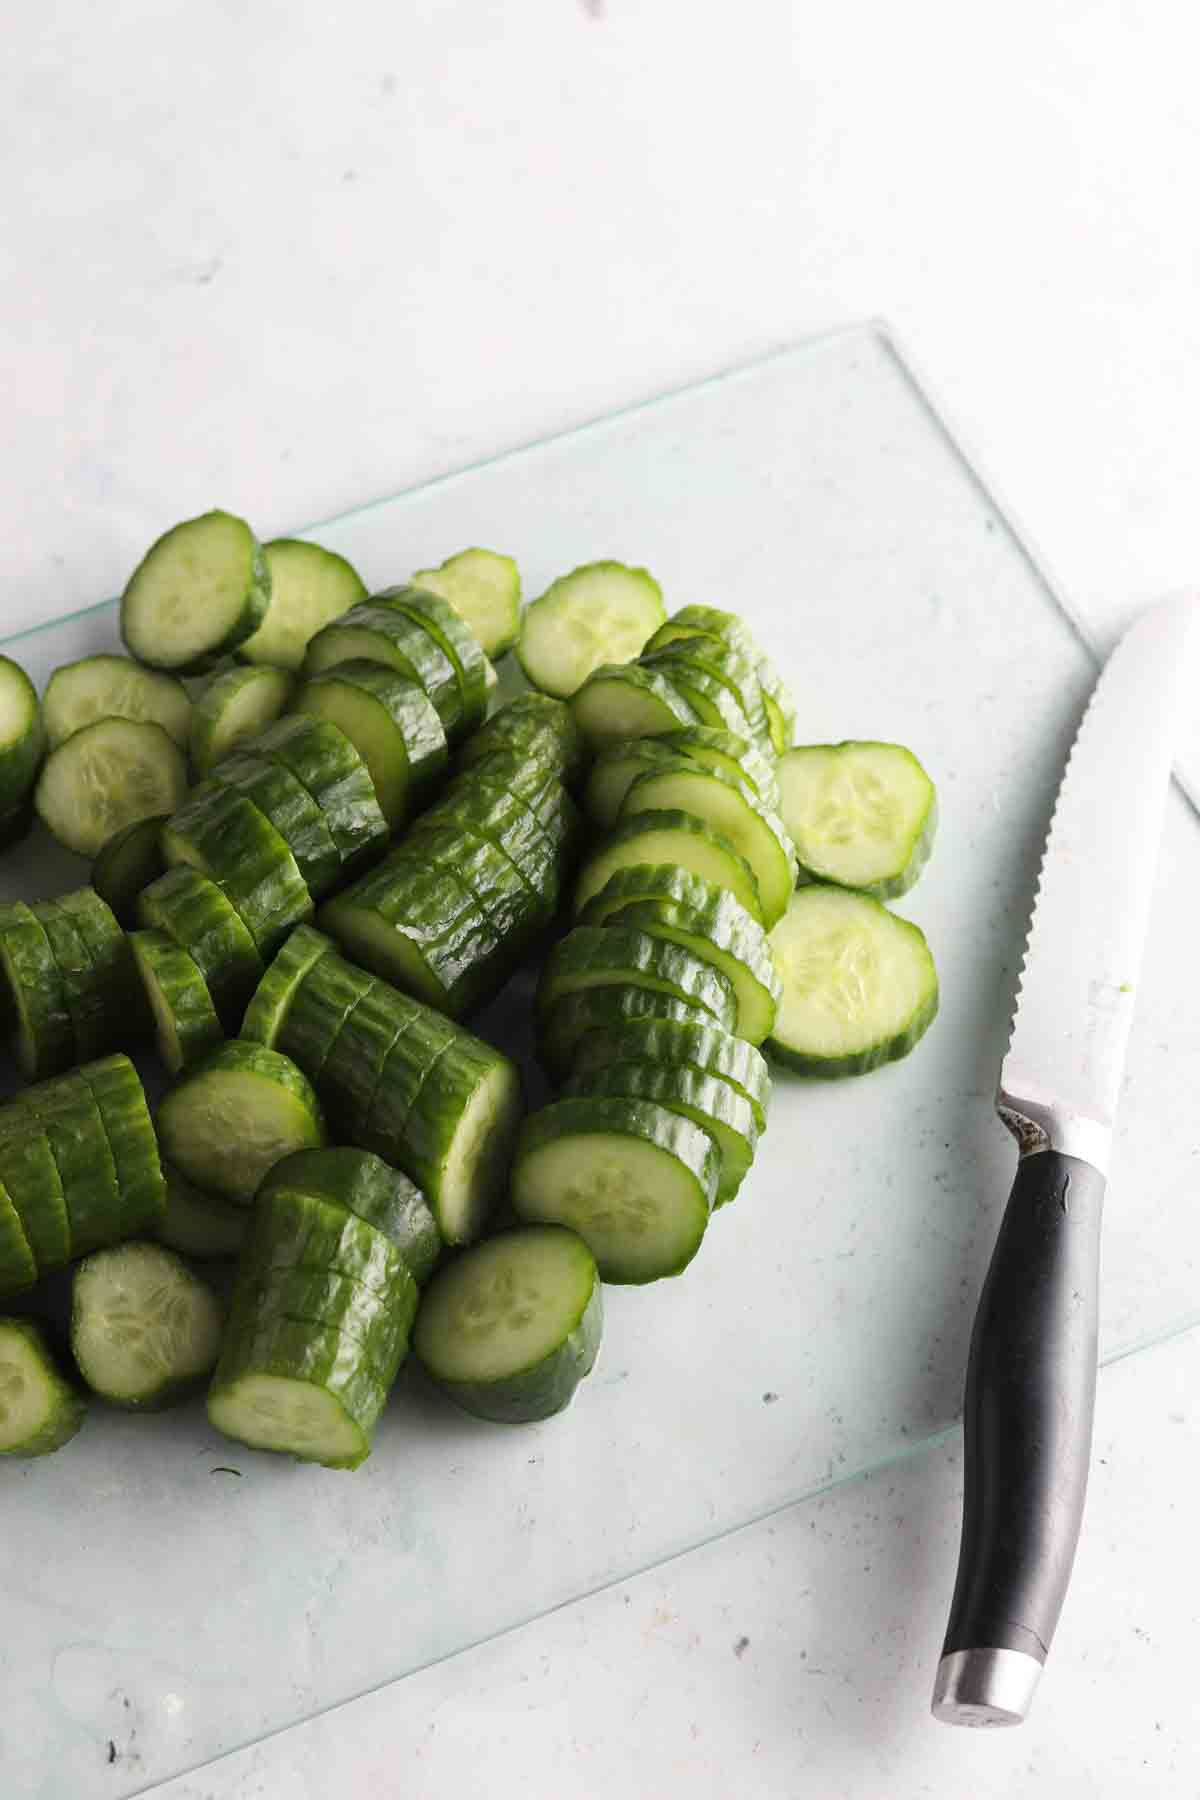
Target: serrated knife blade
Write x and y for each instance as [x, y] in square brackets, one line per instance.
[1031, 1375]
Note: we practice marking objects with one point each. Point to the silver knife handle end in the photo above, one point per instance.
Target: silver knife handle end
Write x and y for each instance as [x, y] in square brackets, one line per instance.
[982, 1688]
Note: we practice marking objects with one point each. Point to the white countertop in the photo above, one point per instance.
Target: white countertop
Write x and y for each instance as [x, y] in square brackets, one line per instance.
[293, 257]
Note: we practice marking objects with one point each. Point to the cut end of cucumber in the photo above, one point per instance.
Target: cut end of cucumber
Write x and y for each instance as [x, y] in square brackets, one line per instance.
[114, 687]
[310, 587]
[196, 595]
[279, 1412]
[600, 613]
[238, 1112]
[143, 1327]
[106, 776]
[861, 814]
[484, 588]
[234, 707]
[39, 1411]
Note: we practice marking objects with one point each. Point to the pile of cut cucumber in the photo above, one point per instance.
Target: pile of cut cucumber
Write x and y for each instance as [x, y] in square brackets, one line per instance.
[316, 850]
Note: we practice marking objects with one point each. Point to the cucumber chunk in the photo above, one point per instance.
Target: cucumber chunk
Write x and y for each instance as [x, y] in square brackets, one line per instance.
[230, 1117]
[29, 1176]
[573, 1018]
[323, 760]
[234, 706]
[726, 1116]
[701, 1046]
[600, 613]
[224, 835]
[393, 725]
[302, 1389]
[275, 992]
[291, 809]
[379, 1323]
[719, 931]
[859, 985]
[321, 1003]
[379, 632]
[39, 1410]
[202, 920]
[608, 956]
[635, 1180]
[117, 1090]
[199, 1225]
[862, 815]
[435, 616]
[619, 765]
[45, 1038]
[106, 776]
[22, 739]
[144, 1328]
[512, 1327]
[532, 724]
[128, 862]
[711, 621]
[112, 960]
[484, 588]
[421, 929]
[722, 666]
[185, 1020]
[373, 1191]
[114, 687]
[646, 839]
[197, 594]
[629, 700]
[97, 1020]
[290, 1228]
[310, 587]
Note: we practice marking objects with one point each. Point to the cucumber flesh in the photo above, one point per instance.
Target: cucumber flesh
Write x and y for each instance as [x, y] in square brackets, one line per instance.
[600, 613]
[862, 815]
[712, 1104]
[226, 1121]
[671, 836]
[197, 594]
[129, 861]
[114, 687]
[393, 725]
[22, 738]
[233, 707]
[484, 588]
[106, 776]
[859, 984]
[310, 587]
[629, 700]
[39, 1410]
[197, 1224]
[144, 1329]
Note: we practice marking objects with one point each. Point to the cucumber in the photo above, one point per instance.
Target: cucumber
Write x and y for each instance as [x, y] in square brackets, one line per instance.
[234, 706]
[512, 1326]
[718, 931]
[18, 1266]
[106, 776]
[722, 663]
[310, 587]
[186, 1023]
[304, 1390]
[512, 854]
[353, 1068]
[484, 588]
[422, 930]
[859, 985]
[862, 815]
[573, 1018]
[324, 760]
[608, 956]
[533, 724]
[22, 739]
[321, 1003]
[112, 960]
[619, 764]
[710, 621]
[629, 700]
[97, 1019]
[649, 839]
[87, 1174]
[199, 1225]
[507, 899]
[731, 807]
[725, 1115]
[410, 1062]
[226, 1120]
[29, 1176]
[393, 725]
[660, 1041]
[636, 1181]
[639, 883]
[437, 617]
[128, 862]
[117, 1089]
[200, 591]
[144, 1329]
[202, 920]
[714, 703]
[275, 992]
[374, 1192]
[382, 633]
[290, 1228]
[291, 809]
[458, 1137]
[224, 835]
[45, 1038]
[39, 1410]
[600, 613]
[114, 687]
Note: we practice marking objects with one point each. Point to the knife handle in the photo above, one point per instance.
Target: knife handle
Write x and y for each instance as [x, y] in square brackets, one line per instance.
[1027, 1418]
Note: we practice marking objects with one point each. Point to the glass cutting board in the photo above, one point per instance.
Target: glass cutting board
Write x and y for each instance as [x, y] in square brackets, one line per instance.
[155, 1598]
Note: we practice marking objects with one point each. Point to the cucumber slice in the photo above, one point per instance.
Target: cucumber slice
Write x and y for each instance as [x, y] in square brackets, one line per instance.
[290, 1229]
[353, 1068]
[87, 1174]
[310, 587]
[374, 1192]
[198, 593]
[620, 764]
[710, 698]
[230, 1117]
[644, 882]
[29, 1176]
[393, 725]
[608, 956]
[96, 1018]
[629, 700]
[301, 1389]
[144, 1328]
[202, 920]
[511, 1327]
[379, 1323]
[484, 588]
[45, 1039]
[224, 835]
[725, 1115]
[450, 633]
[39, 1410]
[732, 808]
[106, 776]
[114, 687]
[459, 1134]
[671, 836]
[710, 621]
[199, 1225]
[704, 1047]
[382, 633]
[721, 932]
[324, 760]
[18, 1266]
[112, 960]
[531, 725]
[721, 662]
[636, 1182]
[600, 613]
[234, 706]
[117, 1089]
[185, 1020]
[128, 862]
[573, 1018]
[410, 1062]
[22, 738]
[859, 985]
[496, 843]
[507, 899]
[275, 992]
[291, 809]
[320, 1006]
[862, 815]
[422, 930]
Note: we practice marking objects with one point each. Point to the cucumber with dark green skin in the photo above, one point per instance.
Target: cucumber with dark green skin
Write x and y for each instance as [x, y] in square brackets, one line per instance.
[226, 1120]
[511, 1327]
[117, 1089]
[537, 830]
[607, 955]
[393, 725]
[274, 994]
[530, 723]
[45, 1035]
[570, 1020]
[705, 1047]
[713, 703]
[439, 950]
[291, 809]
[29, 1176]
[185, 1018]
[642, 882]
[670, 836]
[200, 591]
[620, 764]
[353, 1068]
[451, 632]
[731, 807]
[321, 1003]
[508, 901]
[225, 836]
[322, 757]
[528, 773]
[381, 1323]
[203, 920]
[409, 1064]
[303, 1390]
[519, 850]
[708, 1101]
[112, 960]
[290, 1226]
[383, 634]
[234, 706]
[18, 1269]
[626, 700]
[22, 736]
[719, 931]
[95, 1022]
[721, 662]
[376, 1193]
[87, 1172]
[691, 621]
[39, 1411]
[129, 862]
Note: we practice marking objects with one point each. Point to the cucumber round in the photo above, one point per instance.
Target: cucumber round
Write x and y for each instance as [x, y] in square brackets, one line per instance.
[324, 760]
[393, 725]
[861, 815]
[447, 629]
[608, 956]
[18, 1265]
[629, 700]
[29, 1176]
[116, 1087]
[302, 1389]
[619, 765]
[310, 587]
[202, 920]
[731, 807]
[720, 932]
[198, 593]
[289, 806]
[321, 1003]
[235, 1113]
[570, 1020]
[22, 738]
[186, 1023]
[234, 706]
[114, 687]
[224, 835]
[721, 662]
[382, 633]
[129, 861]
[112, 961]
[711, 621]
[373, 1191]
[144, 1329]
[379, 1323]
[709, 1102]
[291, 1228]
[600, 613]
[484, 588]
[98, 1020]
[530, 724]
[39, 1410]
[45, 1037]
[106, 776]
[199, 1225]
[660, 1041]
[277, 989]
[421, 929]
[671, 836]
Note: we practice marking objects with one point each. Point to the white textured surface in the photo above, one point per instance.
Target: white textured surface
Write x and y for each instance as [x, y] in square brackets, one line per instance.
[297, 255]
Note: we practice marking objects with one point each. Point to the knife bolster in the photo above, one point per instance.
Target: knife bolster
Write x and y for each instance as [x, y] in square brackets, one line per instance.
[1041, 1125]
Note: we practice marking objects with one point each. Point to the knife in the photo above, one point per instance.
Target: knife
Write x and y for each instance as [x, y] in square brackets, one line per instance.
[1031, 1374]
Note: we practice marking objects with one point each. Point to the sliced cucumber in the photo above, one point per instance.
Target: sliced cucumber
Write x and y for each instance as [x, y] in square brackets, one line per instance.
[275, 992]
[353, 1068]
[16, 824]
[230, 1117]
[512, 831]
[39, 1410]
[18, 1265]
[198, 593]
[710, 621]
[291, 1228]
[660, 1041]
[87, 1174]
[620, 764]
[600, 613]
[200, 1225]
[234, 706]
[301, 1389]
[721, 663]
[117, 1089]
[144, 1328]
[393, 725]
[326, 762]
[607, 956]
[640, 883]
[45, 1038]
[509, 902]
[321, 1003]
[310, 587]
[373, 1191]
[22, 738]
[114, 687]
[129, 861]
[382, 633]
[224, 835]
[721, 932]
[732, 808]
[410, 1062]
[531, 724]
[635, 1180]
[112, 961]
[629, 700]
[97, 1020]
[29, 1176]
[511, 1327]
[380, 1324]
[287, 803]
[419, 928]
[714, 703]
[202, 920]
[484, 588]
[671, 836]
[861, 815]
[106, 776]
[448, 630]
[459, 1135]
[186, 1023]
[573, 1018]
[859, 985]
[709, 1102]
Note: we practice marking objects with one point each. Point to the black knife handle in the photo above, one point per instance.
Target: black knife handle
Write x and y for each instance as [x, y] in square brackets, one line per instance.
[1027, 1416]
